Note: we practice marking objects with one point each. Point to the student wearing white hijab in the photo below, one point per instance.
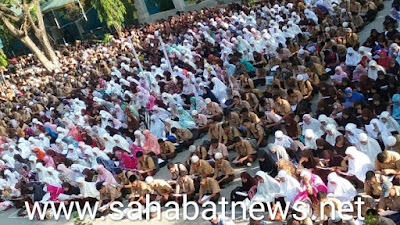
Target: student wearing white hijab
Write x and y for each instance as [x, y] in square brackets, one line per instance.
[382, 132]
[373, 69]
[157, 127]
[289, 187]
[368, 146]
[219, 89]
[277, 152]
[352, 57]
[32, 162]
[139, 138]
[161, 113]
[389, 122]
[340, 188]
[325, 121]
[121, 142]
[358, 162]
[9, 161]
[313, 124]
[109, 143]
[41, 171]
[310, 140]
[352, 132]
[331, 134]
[266, 189]
[11, 177]
[282, 140]
[53, 176]
[87, 189]
[98, 153]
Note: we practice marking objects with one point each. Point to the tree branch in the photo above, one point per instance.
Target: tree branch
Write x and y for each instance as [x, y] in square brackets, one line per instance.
[39, 15]
[13, 30]
[9, 13]
[26, 8]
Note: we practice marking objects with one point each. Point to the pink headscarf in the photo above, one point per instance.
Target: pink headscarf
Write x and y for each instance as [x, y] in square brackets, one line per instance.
[151, 143]
[151, 102]
[51, 126]
[316, 183]
[54, 191]
[105, 176]
[49, 162]
[125, 160]
[68, 172]
[73, 132]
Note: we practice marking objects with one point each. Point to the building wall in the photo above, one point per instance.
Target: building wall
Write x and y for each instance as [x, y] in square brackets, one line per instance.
[180, 5]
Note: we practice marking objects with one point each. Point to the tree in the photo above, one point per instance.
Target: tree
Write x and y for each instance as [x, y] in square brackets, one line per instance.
[110, 11]
[26, 24]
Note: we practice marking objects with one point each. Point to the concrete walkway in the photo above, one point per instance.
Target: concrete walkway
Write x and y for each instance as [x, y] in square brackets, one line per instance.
[376, 24]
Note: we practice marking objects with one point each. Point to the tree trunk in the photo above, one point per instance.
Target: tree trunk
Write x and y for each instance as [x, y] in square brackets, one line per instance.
[47, 48]
[48, 64]
[41, 35]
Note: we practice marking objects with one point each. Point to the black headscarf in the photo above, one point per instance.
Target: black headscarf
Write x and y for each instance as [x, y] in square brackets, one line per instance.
[268, 165]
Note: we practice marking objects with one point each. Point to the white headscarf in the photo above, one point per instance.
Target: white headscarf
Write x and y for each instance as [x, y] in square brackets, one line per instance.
[352, 57]
[342, 190]
[384, 131]
[312, 143]
[314, 125]
[280, 152]
[219, 89]
[286, 141]
[289, 188]
[266, 191]
[331, 138]
[10, 161]
[121, 142]
[109, 143]
[353, 138]
[327, 120]
[88, 189]
[43, 172]
[360, 165]
[53, 175]
[371, 149]
[373, 74]
[98, 153]
[157, 127]
[11, 177]
[141, 137]
[391, 124]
